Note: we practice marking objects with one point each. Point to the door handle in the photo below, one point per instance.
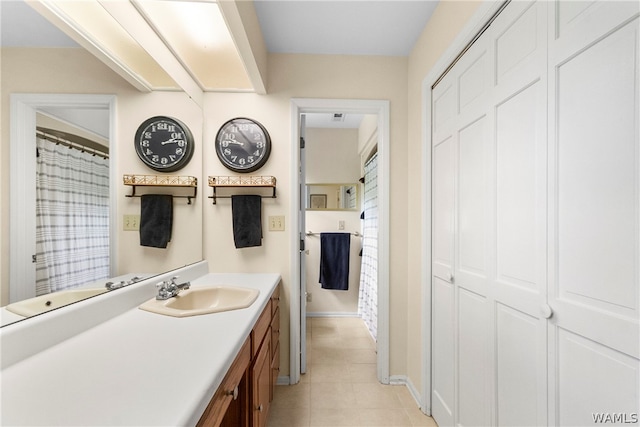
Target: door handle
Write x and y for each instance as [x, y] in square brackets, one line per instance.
[546, 311]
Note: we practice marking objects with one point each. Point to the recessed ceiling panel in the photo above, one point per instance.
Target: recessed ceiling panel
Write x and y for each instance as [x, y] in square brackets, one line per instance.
[198, 34]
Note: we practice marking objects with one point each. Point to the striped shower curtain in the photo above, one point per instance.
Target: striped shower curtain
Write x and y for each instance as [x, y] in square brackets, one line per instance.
[72, 217]
[368, 297]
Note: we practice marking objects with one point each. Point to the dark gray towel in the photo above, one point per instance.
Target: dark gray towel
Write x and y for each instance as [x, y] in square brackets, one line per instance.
[334, 260]
[246, 210]
[156, 220]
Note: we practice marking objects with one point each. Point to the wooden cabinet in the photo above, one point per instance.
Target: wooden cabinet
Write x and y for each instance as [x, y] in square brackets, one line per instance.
[226, 408]
[244, 396]
[261, 383]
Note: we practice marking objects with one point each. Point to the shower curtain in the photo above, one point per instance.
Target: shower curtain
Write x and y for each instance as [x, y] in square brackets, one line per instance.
[72, 217]
[368, 297]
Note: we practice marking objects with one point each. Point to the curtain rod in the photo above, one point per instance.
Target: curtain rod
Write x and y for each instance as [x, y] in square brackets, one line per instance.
[71, 144]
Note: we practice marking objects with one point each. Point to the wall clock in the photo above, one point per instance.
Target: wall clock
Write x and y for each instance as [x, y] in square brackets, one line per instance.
[164, 144]
[243, 145]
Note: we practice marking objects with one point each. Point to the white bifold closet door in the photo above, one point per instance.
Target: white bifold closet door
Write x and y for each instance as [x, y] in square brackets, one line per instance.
[536, 220]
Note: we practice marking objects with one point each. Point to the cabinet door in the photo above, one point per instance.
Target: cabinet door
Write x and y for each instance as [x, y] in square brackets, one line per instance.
[261, 383]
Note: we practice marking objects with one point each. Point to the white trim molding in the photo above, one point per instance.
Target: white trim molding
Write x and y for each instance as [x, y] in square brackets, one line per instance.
[381, 109]
[22, 178]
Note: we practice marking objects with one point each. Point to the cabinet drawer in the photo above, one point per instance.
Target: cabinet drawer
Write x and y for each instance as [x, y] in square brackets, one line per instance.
[228, 389]
[275, 299]
[260, 329]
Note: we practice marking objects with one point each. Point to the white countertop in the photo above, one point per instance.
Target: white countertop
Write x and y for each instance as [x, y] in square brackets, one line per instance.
[136, 369]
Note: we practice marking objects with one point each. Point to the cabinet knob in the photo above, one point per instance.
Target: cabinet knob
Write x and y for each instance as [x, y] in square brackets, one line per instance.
[259, 408]
[233, 393]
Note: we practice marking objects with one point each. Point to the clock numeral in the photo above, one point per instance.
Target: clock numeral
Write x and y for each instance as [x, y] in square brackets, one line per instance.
[144, 143]
[227, 151]
[234, 158]
[155, 158]
[147, 135]
[242, 161]
[260, 144]
[148, 152]
[172, 157]
[181, 143]
[179, 151]
[250, 159]
[257, 137]
[256, 153]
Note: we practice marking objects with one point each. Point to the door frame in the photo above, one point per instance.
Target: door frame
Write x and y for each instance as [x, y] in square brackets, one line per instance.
[22, 172]
[469, 32]
[316, 105]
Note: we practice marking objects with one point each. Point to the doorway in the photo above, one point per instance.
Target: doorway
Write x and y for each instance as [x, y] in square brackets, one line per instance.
[300, 107]
[24, 108]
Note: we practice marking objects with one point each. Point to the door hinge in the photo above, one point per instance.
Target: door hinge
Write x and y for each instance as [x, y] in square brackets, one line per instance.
[301, 142]
[301, 245]
[33, 258]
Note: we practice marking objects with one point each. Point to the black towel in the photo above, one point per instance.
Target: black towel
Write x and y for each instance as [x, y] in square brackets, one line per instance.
[334, 260]
[156, 220]
[246, 210]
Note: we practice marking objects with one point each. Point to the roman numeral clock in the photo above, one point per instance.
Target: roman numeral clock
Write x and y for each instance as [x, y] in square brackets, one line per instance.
[243, 145]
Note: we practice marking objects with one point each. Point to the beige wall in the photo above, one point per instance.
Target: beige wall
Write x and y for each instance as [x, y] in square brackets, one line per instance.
[446, 22]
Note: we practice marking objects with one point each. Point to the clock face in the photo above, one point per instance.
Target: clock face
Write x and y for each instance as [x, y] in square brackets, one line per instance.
[243, 145]
[164, 144]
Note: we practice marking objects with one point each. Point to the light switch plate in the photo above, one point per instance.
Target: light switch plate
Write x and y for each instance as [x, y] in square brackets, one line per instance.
[131, 222]
[276, 223]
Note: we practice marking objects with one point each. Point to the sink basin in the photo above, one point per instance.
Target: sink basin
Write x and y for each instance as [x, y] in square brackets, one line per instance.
[203, 300]
[44, 303]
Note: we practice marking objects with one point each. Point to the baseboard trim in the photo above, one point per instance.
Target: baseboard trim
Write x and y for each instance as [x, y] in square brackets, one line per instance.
[283, 380]
[404, 380]
[332, 314]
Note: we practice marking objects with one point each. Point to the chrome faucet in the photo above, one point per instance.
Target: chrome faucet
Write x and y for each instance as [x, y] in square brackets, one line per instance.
[169, 288]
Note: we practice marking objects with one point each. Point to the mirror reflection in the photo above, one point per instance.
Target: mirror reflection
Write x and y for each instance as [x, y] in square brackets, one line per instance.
[62, 109]
[334, 197]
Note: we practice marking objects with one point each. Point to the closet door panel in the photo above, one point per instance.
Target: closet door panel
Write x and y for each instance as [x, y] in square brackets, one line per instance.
[594, 236]
[443, 355]
[443, 211]
[473, 360]
[443, 293]
[518, 346]
[443, 110]
[520, 190]
[520, 282]
[607, 380]
[472, 206]
[597, 182]
[520, 39]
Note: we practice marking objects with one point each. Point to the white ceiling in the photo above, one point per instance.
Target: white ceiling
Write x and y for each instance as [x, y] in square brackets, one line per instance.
[347, 27]
[344, 27]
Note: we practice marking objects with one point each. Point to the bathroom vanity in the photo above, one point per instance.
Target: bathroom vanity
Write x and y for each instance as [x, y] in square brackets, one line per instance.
[104, 361]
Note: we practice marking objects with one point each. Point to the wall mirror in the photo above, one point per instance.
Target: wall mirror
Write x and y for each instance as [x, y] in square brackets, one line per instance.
[332, 197]
[117, 126]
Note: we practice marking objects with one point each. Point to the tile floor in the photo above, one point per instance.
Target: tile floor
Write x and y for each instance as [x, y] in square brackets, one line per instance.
[340, 387]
